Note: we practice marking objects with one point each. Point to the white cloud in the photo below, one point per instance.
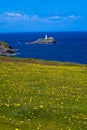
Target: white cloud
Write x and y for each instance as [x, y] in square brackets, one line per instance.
[12, 14]
[72, 17]
[13, 17]
[16, 17]
[54, 17]
[20, 21]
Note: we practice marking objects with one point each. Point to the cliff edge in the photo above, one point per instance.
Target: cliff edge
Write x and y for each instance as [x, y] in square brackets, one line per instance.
[5, 49]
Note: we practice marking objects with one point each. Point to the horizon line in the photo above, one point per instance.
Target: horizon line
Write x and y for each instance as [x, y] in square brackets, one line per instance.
[44, 31]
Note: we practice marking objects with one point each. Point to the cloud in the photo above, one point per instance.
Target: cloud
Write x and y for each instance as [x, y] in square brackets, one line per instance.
[15, 17]
[54, 17]
[73, 17]
[12, 14]
[25, 21]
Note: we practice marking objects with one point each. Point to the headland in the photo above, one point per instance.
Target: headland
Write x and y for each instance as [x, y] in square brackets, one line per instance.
[6, 49]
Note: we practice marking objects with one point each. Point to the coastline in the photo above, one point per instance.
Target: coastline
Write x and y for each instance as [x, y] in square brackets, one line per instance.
[72, 46]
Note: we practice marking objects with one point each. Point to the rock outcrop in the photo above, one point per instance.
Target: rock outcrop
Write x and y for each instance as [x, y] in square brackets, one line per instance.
[5, 49]
[45, 40]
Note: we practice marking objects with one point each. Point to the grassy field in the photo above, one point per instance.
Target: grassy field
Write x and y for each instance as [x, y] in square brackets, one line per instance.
[42, 95]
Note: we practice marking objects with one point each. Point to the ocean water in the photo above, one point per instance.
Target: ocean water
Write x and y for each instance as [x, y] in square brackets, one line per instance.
[70, 46]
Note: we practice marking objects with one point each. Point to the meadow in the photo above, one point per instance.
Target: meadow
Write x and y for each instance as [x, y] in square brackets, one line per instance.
[42, 95]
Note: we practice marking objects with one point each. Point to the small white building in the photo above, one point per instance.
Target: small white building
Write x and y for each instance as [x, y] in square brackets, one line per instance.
[46, 37]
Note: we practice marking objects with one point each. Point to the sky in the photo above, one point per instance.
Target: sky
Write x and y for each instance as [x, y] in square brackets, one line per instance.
[43, 15]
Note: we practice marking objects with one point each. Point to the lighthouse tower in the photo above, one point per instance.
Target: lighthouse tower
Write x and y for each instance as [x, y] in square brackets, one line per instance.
[46, 37]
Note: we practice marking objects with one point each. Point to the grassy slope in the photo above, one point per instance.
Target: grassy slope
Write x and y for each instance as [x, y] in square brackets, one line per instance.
[42, 97]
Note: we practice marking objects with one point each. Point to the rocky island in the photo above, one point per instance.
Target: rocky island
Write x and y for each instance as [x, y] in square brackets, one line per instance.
[5, 49]
[45, 40]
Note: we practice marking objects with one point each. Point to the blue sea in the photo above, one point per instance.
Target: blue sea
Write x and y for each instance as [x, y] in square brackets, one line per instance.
[70, 46]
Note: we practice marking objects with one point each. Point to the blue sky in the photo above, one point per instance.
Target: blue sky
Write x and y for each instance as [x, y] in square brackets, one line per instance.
[43, 15]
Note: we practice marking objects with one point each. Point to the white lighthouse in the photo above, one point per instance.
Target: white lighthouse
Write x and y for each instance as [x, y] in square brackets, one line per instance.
[46, 37]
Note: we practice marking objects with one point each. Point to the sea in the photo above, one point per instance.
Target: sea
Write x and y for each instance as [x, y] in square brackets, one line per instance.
[70, 46]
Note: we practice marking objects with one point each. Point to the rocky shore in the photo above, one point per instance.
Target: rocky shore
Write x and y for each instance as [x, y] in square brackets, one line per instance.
[5, 49]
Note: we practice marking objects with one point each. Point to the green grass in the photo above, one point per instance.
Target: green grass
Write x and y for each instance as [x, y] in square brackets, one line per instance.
[39, 95]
